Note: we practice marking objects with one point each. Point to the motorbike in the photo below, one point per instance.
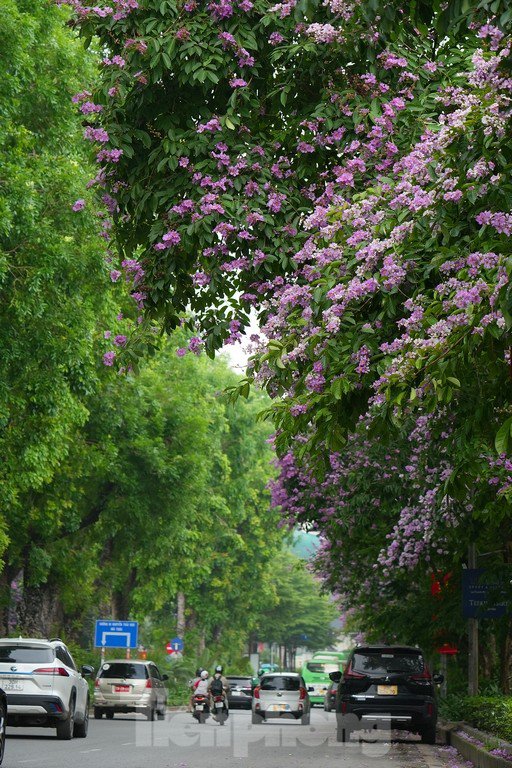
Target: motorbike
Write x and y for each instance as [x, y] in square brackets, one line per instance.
[220, 710]
[201, 708]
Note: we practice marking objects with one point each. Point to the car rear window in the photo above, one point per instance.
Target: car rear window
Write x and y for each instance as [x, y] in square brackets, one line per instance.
[382, 662]
[242, 682]
[125, 671]
[26, 654]
[280, 683]
[322, 667]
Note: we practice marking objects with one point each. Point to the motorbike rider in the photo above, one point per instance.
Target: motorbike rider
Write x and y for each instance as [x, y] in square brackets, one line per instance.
[201, 688]
[192, 684]
[218, 675]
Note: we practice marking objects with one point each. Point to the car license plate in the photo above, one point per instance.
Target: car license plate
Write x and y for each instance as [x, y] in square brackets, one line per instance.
[280, 707]
[235, 693]
[10, 685]
[121, 688]
[199, 707]
[387, 690]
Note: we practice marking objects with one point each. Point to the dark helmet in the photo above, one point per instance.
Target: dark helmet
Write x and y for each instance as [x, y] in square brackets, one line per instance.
[198, 671]
[219, 668]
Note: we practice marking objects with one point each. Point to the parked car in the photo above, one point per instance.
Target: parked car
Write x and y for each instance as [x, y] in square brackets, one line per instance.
[240, 692]
[330, 697]
[281, 694]
[43, 686]
[3, 722]
[130, 686]
[386, 684]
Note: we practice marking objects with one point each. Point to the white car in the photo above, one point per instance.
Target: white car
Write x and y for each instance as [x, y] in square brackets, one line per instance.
[43, 686]
[281, 694]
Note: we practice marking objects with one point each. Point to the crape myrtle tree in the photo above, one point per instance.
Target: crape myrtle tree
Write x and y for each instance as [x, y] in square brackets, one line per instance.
[345, 169]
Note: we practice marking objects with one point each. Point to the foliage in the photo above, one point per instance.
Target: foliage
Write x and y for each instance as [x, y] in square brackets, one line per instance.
[492, 714]
[302, 616]
[53, 283]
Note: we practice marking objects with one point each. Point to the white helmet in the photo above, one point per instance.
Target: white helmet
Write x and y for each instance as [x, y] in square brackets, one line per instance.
[204, 674]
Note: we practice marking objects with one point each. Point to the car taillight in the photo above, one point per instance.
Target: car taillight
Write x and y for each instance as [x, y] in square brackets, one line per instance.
[97, 683]
[343, 707]
[302, 694]
[424, 675]
[349, 672]
[149, 684]
[256, 693]
[60, 671]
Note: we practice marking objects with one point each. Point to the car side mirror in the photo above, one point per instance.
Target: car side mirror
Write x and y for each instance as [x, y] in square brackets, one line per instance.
[438, 679]
[165, 677]
[335, 676]
[87, 671]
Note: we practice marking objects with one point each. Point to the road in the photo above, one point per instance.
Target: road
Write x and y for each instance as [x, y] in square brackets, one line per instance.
[130, 741]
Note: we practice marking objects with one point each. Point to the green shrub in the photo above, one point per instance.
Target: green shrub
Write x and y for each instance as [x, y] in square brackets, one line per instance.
[492, 714]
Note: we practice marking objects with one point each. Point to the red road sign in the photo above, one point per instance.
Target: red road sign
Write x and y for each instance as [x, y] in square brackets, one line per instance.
[448, 650]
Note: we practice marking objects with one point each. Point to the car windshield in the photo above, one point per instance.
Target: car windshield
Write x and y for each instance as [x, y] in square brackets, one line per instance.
[321, 667]
[382, 662]
[124, 670]
[26, 654]
[269, 683]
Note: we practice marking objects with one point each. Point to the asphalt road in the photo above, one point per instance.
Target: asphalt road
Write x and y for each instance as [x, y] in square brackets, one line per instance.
[130, 741]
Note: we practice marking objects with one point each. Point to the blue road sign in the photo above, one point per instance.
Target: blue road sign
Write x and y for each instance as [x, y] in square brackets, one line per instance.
[177, 644]
[116, 634]
[483, 596]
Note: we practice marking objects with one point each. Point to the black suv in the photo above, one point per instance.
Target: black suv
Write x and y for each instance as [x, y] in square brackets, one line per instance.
[386, 684]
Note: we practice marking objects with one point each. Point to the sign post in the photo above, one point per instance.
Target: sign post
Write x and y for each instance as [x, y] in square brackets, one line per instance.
[175, 646]
[116, 634]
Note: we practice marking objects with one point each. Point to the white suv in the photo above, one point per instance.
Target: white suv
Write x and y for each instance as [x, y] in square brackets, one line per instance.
[43, 686]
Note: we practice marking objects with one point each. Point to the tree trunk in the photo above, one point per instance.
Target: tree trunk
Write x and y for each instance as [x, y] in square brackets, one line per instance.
[39, 613]
[9, 597]
[506, 660]
[180, 614]
[121, 600]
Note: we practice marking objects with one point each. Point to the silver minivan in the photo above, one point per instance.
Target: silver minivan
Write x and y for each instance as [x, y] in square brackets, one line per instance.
[123, 685]
[281, 694]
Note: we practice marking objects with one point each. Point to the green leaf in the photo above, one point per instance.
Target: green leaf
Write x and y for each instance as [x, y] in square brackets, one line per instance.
[502, 436]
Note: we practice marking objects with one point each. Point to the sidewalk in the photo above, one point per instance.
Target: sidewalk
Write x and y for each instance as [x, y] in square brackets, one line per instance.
[472, 747]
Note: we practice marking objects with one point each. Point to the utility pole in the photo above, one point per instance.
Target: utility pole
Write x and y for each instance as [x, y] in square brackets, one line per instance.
[472, 637]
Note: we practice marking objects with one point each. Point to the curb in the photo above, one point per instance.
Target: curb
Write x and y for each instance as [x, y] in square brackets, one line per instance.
[478, 755]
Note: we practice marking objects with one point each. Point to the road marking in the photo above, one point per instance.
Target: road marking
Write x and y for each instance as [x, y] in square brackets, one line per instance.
[127, 743]
[86, 751]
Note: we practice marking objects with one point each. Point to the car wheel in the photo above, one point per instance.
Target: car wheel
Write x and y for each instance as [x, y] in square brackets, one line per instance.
[3, 721]
[150, 713]
[98, 713]
[109, 714]
[305, 719]
[66, 727]
[428, 735]
[256, 719]
[80, 729]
